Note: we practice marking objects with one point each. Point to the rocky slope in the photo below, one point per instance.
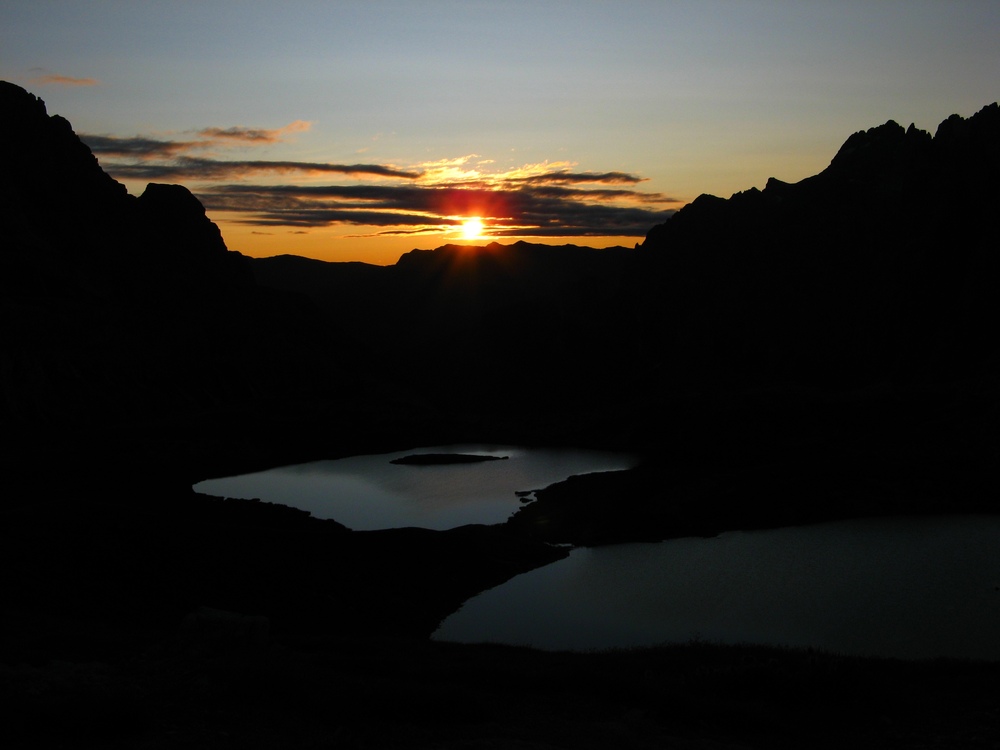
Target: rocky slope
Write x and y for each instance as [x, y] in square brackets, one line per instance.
[821, 350]
[138, 352]
[877, 268]
[129, 329]
[787, 354]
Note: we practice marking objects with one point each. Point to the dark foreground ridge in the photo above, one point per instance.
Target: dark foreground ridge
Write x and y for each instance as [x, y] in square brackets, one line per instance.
[798, 353]
[375, 693]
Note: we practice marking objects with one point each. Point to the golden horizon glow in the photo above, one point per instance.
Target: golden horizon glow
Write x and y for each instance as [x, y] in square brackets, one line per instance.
[331, 245]
[472, 228]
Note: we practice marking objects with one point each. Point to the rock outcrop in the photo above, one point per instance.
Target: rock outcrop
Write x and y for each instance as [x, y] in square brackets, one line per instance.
[127, 321]
[877, 268]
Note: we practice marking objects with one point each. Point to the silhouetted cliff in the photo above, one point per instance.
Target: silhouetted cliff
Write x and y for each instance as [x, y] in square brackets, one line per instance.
[856, 302]
[137, 353]
[802, 352]
[817, 350]
[127, 320]
[878, 268]
[873, 273]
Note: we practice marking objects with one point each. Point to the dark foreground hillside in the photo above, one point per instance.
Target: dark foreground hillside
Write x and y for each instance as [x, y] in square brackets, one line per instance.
[383, 693]
[776, 346]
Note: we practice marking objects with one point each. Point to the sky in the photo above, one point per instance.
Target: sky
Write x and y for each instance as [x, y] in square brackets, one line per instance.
[356, 131]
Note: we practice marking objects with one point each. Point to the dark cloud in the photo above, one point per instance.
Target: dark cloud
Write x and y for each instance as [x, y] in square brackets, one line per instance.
[584, 177]
[433, 229]
[196, 168]
[525, 202]
[241, 134]
[137, 147]
[149, 148]
[319, 217]
[600, 194]
[515, 211]
[254, 135]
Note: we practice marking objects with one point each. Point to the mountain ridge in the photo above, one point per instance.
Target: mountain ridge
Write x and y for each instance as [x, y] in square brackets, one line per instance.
[839, 283]
[784, 365]
[840, 288]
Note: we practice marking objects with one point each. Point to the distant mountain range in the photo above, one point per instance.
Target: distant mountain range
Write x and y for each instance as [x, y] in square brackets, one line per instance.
[873, 280]
[875, 275]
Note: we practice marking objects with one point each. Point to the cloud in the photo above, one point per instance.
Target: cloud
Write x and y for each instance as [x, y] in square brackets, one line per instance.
[602, 194]
[198, 169]
[516, 210]
[147, 158]
[427, 229]
[57, 80]
[138, 147]
[255, 135]
[142, 147]
[548, 199]
[454, 171]
[560, 176]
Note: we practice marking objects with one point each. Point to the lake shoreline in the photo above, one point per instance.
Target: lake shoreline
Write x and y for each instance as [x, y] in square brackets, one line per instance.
[888, 587]
[134, 549]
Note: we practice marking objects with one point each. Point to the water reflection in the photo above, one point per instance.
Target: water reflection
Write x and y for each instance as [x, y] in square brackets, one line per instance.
[369, 492]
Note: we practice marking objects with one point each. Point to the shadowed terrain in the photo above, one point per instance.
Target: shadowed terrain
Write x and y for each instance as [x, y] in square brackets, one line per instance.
[804, 352]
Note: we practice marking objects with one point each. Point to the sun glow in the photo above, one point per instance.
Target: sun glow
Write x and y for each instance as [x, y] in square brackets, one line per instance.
[472, 228]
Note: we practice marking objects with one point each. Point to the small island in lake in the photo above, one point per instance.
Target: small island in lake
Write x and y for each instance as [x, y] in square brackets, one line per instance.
[439, 459]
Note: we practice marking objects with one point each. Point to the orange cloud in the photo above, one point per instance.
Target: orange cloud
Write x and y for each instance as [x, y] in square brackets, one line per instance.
[57, 80]
[256, 135]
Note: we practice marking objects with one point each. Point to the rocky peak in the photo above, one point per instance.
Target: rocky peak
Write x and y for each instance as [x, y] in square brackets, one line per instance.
[56, 200]
[877, 149]
[20, 108]
[978, 129]
[45, 170]
[179, 220]
[882, 167]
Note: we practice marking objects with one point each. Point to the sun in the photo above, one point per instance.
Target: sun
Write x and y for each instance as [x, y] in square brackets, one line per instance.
[472, 228]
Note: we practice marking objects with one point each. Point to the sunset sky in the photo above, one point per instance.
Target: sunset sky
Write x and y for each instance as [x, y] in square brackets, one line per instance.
[358, 131]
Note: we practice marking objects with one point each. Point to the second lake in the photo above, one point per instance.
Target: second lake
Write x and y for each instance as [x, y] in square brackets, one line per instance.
[911, 588]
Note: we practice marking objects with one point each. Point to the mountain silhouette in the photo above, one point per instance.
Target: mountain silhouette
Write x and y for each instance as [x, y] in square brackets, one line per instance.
[874, 269]
[126, 319]
[823, 347]
[849, 309]
[805, 338]
[516, 338]
[871, 272]
[814, 350]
